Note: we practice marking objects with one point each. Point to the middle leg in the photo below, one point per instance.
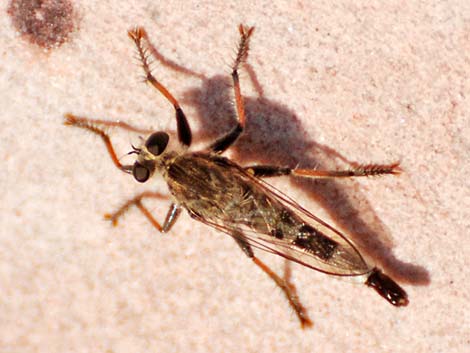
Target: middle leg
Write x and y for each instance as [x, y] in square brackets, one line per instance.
[170, 219]
[361, 170]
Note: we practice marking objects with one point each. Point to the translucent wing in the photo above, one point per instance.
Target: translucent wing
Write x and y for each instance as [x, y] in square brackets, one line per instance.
[307, 240]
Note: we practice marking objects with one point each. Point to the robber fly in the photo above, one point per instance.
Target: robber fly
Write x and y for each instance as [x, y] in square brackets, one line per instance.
[234, 199]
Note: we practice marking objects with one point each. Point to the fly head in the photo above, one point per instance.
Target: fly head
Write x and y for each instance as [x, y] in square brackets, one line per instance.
[153, 147]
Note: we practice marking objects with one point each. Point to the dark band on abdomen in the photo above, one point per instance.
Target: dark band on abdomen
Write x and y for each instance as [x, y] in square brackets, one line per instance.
[315, 242]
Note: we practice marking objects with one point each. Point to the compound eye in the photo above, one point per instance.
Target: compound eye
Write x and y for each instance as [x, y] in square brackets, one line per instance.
[157, 142]
[140, 173]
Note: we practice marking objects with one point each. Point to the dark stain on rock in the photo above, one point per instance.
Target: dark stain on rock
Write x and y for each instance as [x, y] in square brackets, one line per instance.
[46, 23]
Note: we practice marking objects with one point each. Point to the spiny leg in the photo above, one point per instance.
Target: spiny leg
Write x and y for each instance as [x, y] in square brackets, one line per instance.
[170, 218]
[284, 283]
[92, 126]
[304, 319]
[107, 123]
[168, 63]
[227, 140]
[361, 170]
[139, 36]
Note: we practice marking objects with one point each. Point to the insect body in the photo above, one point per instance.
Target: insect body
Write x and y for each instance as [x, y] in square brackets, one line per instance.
[235, 199]
[220, 193]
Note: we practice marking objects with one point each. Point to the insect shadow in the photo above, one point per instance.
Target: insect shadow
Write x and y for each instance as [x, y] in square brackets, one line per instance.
[261, 143]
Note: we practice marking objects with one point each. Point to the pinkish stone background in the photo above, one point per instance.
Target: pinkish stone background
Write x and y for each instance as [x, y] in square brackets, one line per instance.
[368, 82]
